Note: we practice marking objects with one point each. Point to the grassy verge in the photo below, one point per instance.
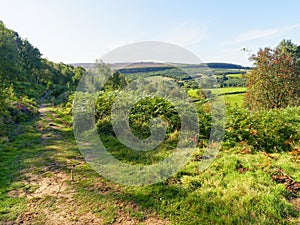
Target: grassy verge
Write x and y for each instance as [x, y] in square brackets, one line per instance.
[15, 156]
[236, 189]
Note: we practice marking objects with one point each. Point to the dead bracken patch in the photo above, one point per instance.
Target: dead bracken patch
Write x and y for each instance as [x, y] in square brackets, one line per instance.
[126, 219]
[240, 168]
[296, 203]
[290, 184]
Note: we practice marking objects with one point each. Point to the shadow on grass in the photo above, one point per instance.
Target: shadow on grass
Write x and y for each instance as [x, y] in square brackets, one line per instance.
[15, 156]
[27, 152]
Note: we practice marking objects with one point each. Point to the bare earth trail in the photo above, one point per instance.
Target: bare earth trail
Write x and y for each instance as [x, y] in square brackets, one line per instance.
[59, 185]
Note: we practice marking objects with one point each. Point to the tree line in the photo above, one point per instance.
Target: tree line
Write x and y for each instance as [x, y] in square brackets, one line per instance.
[25, 76]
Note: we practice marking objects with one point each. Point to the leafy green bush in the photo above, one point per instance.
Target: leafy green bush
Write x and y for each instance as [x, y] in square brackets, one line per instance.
[22, 109]
[142, 113]
[31, 90]
[270, 131]
[15, 110]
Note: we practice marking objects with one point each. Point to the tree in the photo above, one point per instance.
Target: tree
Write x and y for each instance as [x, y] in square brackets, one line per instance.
[287, 46]
[274, 82]
[116, 81]
[9, 56]
[31, 61]
[106, 78]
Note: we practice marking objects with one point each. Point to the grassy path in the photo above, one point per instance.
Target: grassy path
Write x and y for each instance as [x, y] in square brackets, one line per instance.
[48, 182]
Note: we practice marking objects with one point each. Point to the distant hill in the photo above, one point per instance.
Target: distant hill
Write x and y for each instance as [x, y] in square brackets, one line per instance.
[84, 65]
[145, 66]
[226, 66]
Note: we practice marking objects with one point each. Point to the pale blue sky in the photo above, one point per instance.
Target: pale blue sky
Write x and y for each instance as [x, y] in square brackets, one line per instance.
[216, 31]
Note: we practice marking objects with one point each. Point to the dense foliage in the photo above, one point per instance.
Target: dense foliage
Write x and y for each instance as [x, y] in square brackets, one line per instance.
[271, 131]
[238, 80]
[25, 77]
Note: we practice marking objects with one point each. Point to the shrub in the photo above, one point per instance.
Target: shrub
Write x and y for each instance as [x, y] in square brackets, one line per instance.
[22, 109]
[270, 131]
[145, 110]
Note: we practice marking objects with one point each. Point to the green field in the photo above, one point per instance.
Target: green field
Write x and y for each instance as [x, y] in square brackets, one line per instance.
[234, 75]
[227, 90]
[232, 99]
[193, 92]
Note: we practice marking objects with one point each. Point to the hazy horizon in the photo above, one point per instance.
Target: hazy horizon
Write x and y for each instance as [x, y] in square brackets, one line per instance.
[82, 31]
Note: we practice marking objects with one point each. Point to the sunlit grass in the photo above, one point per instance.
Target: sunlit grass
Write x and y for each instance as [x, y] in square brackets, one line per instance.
[237, 188]
[234, 99]
[227, 90]
[230, 96]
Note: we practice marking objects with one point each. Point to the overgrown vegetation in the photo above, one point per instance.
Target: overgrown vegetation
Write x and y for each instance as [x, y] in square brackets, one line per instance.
[270, 131]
